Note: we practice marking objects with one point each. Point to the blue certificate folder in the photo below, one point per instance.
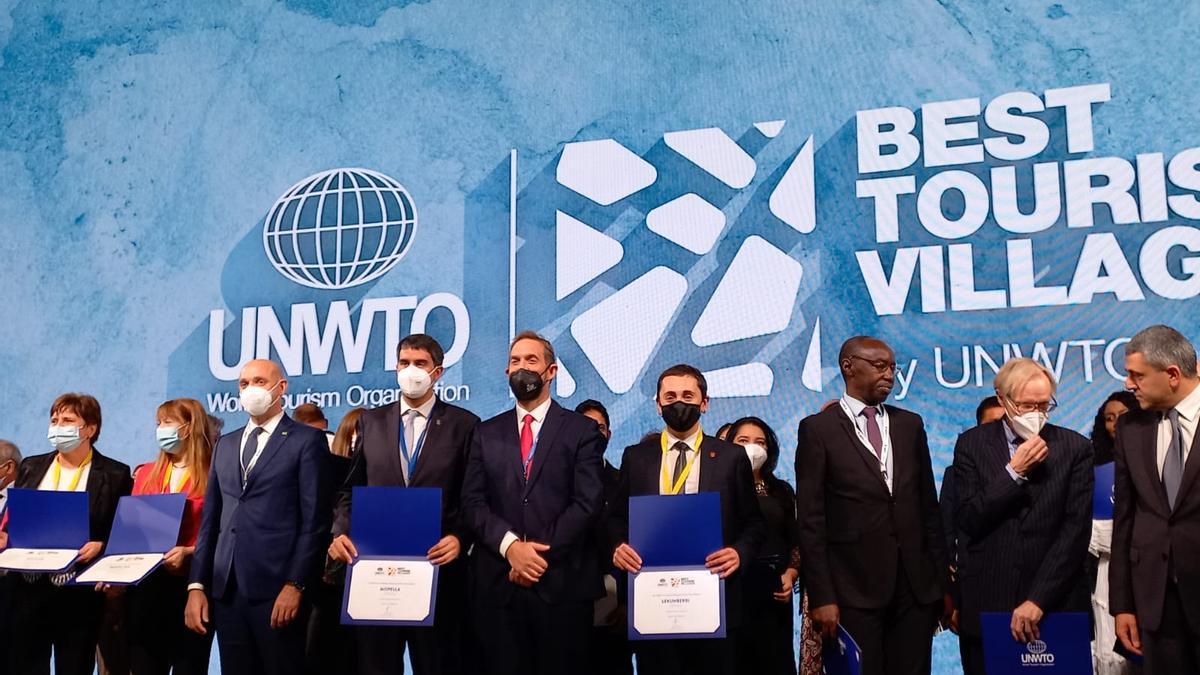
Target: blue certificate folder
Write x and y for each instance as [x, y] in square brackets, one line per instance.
[675, 530]
[145, 524]
[1063, 645]
[674, 533]
[47, 519]
[842, 656]
[1102, 498]
[394, 523]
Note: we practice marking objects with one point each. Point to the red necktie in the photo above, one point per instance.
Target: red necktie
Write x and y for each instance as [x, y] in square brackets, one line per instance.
[526, 442]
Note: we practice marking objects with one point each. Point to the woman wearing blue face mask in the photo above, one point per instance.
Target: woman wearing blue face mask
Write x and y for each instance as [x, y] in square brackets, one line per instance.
[47, 612]
[158, 640]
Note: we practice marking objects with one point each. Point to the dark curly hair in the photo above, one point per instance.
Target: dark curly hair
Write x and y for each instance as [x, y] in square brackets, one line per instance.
[1102, 443]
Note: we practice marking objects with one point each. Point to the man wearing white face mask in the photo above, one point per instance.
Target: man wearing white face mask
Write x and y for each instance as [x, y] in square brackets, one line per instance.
[1024, 505]
[418, 441]
[266, 513]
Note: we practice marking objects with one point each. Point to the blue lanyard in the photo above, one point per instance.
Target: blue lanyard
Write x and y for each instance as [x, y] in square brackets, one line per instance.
[412, 461]
[529, 460]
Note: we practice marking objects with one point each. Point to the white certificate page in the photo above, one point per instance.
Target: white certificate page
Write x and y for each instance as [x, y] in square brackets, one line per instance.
[390, 590]
[676, 602]
[120, 569]
[38, 559]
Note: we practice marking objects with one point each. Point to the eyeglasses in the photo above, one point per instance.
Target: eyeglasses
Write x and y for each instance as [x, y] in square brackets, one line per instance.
[879, 366]
[1024, 408]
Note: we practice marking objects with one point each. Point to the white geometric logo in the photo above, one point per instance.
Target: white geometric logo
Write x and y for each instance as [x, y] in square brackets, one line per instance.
[340, 228]
[742, 306]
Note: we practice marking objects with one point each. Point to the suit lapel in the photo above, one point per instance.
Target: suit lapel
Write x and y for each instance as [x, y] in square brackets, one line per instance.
[432, 433]
[707, 462]
[275, 442]
[1149, 458]
[510, 444]
[544, 444]
[1190, 469]
[391, 448]
[869, 459]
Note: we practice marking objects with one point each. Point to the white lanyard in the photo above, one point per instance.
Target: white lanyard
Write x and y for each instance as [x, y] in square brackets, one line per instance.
[884, 431]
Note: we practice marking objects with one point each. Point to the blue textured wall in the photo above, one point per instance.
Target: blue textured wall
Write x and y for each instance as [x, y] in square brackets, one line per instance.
[142, 143]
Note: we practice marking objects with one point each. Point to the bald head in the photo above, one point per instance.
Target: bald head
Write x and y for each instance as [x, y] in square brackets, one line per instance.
[267, 375]
[868, 367]
[261, 368]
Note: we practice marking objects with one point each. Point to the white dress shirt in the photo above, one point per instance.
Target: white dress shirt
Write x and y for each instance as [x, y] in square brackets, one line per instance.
[1189, 414]
[539, 416]
[268, 428]
[859, 420]
[419, 420]
[691, 484]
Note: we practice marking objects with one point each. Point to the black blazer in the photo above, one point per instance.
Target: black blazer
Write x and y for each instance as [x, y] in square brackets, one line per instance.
[724, 468]
[1021, 541]
[271, 531]
[850, 524]
[441, 464]
[559, 504]
[1148, 536]
[108, 481]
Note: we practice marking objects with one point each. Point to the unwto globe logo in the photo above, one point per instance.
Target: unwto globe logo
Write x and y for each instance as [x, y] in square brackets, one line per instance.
[340, 228]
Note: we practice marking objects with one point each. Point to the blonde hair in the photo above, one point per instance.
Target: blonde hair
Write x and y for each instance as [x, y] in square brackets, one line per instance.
[345, 432]
[196, 448]
[1017, 373]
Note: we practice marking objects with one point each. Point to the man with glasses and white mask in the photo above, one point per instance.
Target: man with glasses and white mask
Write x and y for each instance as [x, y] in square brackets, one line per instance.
[1024, 507]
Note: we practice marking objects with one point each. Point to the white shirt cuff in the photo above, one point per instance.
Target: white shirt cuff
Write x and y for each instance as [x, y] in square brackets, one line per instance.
[195, 587]
[508, 540]
[1015, 476]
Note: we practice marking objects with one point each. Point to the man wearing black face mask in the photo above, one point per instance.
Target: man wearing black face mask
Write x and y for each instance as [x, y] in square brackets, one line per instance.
[683, 460]
[531, 496]
[872, 551]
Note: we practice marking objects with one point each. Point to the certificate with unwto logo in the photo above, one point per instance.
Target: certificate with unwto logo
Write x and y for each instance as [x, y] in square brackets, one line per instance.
[392, 582]
[674, 596]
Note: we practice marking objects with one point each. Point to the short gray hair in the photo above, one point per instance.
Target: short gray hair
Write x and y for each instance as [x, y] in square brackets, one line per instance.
[9, 450]
[1163, 347]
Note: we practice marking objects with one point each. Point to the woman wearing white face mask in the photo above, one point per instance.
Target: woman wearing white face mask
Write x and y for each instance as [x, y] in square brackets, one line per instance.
[158, 639]
[765, 642]
[47, 612]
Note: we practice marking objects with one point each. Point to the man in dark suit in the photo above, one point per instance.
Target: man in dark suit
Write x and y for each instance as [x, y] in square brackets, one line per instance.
[47, 611]
[694, 463]
[1154, 575]
[531, 497]
[1023, 512]
[872, 550]
[266, 513]
[418, 441]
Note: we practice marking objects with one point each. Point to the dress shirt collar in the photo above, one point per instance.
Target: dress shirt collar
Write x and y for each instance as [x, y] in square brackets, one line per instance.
[1189, 407]
[425, 408]
[539, 413]
[673, 438]
[268, 427]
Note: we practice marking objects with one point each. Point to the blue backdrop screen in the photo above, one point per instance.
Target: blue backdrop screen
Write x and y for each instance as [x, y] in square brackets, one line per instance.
[739, 187]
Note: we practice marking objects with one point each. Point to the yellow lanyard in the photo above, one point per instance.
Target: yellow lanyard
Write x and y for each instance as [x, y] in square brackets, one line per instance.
[166, 486]
[675, 489]
[56, 474]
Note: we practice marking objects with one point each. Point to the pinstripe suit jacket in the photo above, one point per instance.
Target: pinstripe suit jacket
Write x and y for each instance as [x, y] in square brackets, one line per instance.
[1021, 541]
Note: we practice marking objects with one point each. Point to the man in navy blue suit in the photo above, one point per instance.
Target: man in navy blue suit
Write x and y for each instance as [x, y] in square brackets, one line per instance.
[531, 496]
[260, 542]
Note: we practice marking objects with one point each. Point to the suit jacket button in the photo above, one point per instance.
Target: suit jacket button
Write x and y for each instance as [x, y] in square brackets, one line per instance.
[524, 501]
